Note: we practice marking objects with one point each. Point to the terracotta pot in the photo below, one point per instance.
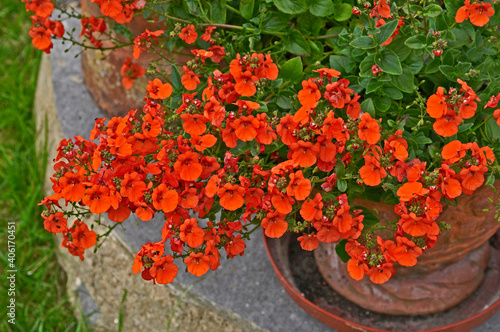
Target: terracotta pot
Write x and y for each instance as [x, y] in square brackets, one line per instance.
[444, 275]
[101, 70]
[297, 271]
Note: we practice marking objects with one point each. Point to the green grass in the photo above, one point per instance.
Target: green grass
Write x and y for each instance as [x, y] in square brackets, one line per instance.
[41, 301]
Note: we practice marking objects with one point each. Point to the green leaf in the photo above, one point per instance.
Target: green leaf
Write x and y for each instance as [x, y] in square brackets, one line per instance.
[454, 72]
[296, 43]
[433, 10]
[284, 102]
[365, 67]
[275, 23]
[291, 6]
[416, 42]
[404, 82]
[292, 70]
[246, 8]
[421, 139]
[373, 85]
[370, 218]
[340, 250]
[452, 5]
[343, 12]
[309, 24]
[368, 107]
[433, 66]
[321, 8]
[389, 62]
[492, 130]
[386, 31]
[342, 63]
[342, 185]
[465, 127]
[392, 92]
[382, 103]
[363, 42]
[218, 11]
[176, 78]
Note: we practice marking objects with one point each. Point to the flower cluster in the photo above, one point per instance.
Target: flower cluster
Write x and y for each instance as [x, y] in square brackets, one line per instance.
[42, 28]
[451, 109]
[287, 137]
[225, 159]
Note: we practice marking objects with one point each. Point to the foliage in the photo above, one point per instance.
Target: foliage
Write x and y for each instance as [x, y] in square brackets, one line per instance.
[288, 110]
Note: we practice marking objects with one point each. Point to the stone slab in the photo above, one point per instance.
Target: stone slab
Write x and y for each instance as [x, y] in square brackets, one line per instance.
[243, 290]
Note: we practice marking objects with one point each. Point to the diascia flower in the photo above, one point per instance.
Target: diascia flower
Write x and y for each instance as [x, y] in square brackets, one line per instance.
[245, 152]
[478, 13]
[188, 34]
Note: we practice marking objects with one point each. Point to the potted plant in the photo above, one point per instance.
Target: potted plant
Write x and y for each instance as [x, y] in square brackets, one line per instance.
[290, 116]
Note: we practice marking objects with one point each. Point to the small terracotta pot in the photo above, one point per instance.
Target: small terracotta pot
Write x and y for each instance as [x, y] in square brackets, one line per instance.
[444, 275]
[345, 316]
[101, 69]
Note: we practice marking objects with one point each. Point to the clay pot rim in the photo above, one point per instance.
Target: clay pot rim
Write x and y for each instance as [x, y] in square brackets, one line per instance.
[342, 324]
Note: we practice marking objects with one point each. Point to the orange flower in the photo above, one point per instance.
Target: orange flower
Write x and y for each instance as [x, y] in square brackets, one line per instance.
[338, 93]
[165, 199]
[188, 166]
[266, 69]
[447, 125]
[382, 273]
[111, 8]
[381, 8]
[189, 79]
[97, 199]
[282, 203]
[453, 152]
[191, 233]
[197, 264]
[245, 84]
[83, 237]
[130, 71]
[480, 13]
[304, 153]
[194, 124]
[298, 187]
[308, 242]
[203, 142]
[212, 186]
[56, 223]
[208, 33]
[309, 95]
[231, 196]
[372, 173]
[119, 214]
[436, 104]
[473, 177]
[274, 224]
[369, 129]
[356, 269]
[413, 225]
[188, 34]
[463, 12]
[246, 127]
[72, 188]
[312, 209]
[235, 247]
[159, 90]
[410, 190]
[164, 270]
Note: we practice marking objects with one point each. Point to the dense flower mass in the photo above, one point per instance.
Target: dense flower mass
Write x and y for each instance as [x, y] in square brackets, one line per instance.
[139, 167]
[282, 126]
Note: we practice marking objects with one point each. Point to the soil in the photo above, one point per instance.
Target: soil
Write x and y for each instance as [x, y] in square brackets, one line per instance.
[313, 287]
